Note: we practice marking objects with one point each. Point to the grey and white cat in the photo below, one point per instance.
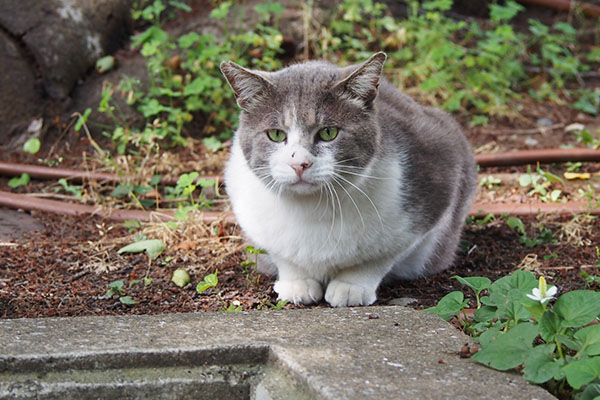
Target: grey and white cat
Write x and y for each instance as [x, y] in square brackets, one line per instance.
[344, 180]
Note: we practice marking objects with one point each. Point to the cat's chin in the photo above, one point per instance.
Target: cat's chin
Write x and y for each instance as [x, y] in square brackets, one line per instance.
[303, 188]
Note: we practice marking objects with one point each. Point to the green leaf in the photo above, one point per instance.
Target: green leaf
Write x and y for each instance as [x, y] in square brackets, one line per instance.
[212, 279]
[153, 247]
[82, 119]
[122, 189]
[221, 11]
[485, 313]
[581, 372]
[180, 277]
[540, 366]
[591, 392]
[450, 305]
[188, 40]
[578, 307]
[127, 300]
[516, 223]
[155, 180]
[32, 146]
[476, 283]
[549, 325]
[590, 337]
[19, 181]
[510, 349]
[212, 144]
[105, 64]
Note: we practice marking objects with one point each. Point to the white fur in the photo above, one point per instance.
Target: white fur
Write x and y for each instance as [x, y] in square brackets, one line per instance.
[319, 241]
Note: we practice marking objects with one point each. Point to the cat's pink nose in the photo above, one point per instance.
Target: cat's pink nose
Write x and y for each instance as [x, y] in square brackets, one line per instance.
[301, 167]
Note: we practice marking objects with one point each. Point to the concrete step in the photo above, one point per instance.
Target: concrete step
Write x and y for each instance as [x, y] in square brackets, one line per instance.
[354, 353]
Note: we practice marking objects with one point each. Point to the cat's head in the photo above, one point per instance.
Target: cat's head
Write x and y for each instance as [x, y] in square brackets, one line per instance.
[308, 126]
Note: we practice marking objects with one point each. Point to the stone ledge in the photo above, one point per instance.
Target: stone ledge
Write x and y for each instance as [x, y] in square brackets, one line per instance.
[354, 353]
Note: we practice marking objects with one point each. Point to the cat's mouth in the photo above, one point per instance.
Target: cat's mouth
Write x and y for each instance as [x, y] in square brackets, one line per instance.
[302, 187]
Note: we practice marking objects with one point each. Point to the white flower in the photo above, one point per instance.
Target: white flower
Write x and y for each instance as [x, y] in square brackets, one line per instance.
[542, 293]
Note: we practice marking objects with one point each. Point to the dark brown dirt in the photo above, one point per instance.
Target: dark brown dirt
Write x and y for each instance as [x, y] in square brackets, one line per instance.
[49, 273]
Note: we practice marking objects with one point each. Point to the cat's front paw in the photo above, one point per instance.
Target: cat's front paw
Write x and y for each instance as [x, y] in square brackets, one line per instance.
[305, 291]
[343, 294]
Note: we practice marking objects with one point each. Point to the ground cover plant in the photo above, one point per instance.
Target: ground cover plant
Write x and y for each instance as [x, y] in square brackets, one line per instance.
[514, 78]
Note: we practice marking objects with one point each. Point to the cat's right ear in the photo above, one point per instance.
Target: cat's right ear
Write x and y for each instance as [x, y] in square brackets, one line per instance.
[248, 86]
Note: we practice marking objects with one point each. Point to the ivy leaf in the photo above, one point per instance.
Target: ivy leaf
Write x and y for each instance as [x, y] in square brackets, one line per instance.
[32, 146]
[449, 305]
[590, 337]
[127, 300]
[153, 247]
[19, 181]
[510, 349]
[549, 325]
[578, 307]
[540, 366]
[581, 372]
[477, 283]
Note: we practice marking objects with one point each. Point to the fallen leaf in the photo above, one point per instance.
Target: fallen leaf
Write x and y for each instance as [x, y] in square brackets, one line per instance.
[577, 175]
[186, 245]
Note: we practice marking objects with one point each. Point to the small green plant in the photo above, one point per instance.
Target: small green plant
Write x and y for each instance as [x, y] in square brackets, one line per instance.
[489, 182]
[211, 281]
[544, 234]
[18, 181]
[184, 189]
[180, 277]
[593, 277]
[517, 313]
[279, 306]
[252, 263]
[117, 288]
[75, 190]
[540, 182]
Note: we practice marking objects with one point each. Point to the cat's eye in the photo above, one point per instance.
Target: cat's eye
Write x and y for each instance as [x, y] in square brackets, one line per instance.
[276, 135]
[328, 133]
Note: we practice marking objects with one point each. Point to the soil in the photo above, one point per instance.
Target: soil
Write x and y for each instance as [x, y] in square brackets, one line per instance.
[65, 267]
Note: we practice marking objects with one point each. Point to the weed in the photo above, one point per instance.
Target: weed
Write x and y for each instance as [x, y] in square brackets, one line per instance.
[593, 277]
[211, 281]
[117, 288]
[516, 310]
[489, 182]
[32, 146]
[252, 263]
[544, 234]
[540, 182]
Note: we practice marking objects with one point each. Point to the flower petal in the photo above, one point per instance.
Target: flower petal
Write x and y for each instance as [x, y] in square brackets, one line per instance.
[551, 291]
[533, 297]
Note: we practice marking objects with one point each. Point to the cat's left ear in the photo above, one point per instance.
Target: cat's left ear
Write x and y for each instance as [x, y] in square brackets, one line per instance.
[248, 86]
[362, 84]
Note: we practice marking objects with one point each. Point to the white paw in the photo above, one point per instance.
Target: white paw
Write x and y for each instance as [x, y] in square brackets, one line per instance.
[305, 291]
[342, 294]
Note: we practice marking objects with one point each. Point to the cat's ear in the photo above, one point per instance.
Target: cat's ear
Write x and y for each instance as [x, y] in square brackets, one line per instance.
[362, 84]
[248, 86]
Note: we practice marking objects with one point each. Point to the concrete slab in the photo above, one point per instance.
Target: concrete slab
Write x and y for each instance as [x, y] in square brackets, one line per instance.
[354, 353]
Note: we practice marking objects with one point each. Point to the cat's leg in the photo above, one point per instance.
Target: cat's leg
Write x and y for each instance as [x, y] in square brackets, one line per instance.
[295, 286]
[357, 286]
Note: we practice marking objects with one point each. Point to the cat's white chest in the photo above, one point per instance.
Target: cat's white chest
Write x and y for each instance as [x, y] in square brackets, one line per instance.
[325, 231]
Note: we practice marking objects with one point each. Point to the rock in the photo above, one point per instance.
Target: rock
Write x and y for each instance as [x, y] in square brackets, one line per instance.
[46, 47]
[20, 97]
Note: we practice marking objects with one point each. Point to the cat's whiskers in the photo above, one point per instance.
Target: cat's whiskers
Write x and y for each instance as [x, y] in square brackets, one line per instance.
[335, 174]
[351, 199]
[339, 169]
[339, 203]
[330, 196]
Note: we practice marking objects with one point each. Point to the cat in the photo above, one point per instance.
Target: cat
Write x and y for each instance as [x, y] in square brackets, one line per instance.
[344, 180]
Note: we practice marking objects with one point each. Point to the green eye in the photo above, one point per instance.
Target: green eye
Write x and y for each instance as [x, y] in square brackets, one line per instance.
[276, 135]
[328, 133]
